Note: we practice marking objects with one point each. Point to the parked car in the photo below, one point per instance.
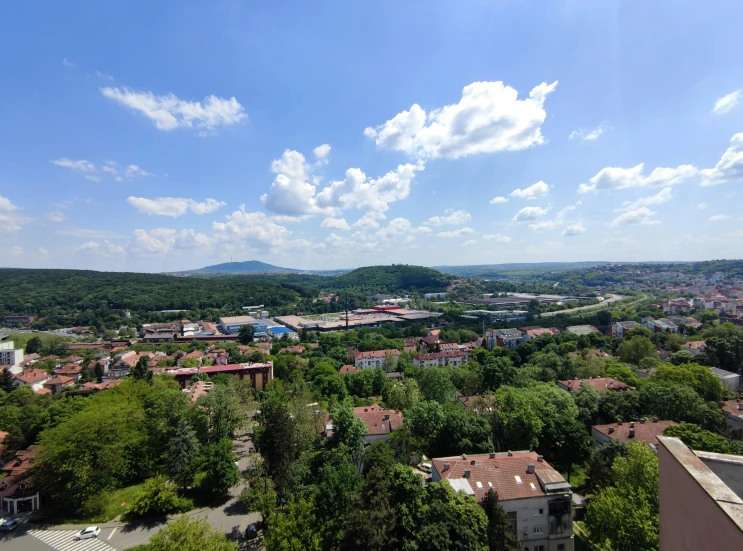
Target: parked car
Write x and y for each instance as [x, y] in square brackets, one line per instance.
[252, 531]
[8, 525]
[89, 532]
[425, 467]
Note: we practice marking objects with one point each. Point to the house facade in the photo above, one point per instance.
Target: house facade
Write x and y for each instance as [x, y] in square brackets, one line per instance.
[17, 491]
[507, 338]
[537, 499]
[439, 359]
[376, 358]
[619, 329]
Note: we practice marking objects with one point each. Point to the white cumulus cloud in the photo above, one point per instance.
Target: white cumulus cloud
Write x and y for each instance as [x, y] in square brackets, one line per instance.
[110, 168]
[455, 233]
[663, 196]
[94, 248]
[726, 103]
[642, 215]
[588, 135]
[529, 213]
[498, 238]
[6, 205]
[253, 227]
[174, 206]
[169, 112]
[532, 192]
[730, 166]
[451, 217]
[718, 217]
[488, 118]
[468, 243]
[498, 200]
[573, 229]
[55, 216]
[321, 151]
[336, 223]
[611, 178]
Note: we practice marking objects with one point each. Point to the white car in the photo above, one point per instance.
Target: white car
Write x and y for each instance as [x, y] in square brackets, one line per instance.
[89, 532]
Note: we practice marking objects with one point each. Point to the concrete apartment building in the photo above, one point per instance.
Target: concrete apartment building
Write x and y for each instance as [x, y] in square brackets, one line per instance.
[11, 356]
[376, 358]
[701, 498]
[537, 499]
[439, 359]
[507, 338]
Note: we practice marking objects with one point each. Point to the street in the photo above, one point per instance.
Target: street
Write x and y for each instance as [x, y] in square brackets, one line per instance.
[121, 536]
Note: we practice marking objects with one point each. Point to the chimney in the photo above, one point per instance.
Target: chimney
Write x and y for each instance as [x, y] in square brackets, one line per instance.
[632, 425]
[655, 419]
[642, 421]
[631, 433]
[540, 458]
[366, 410]
[492, 455]
[464, 456]
[467, 474]
[472, 462]
[446, 467]
[740, 407]
[611, 429]
[510, 453]
[530, 468]
[619, 422]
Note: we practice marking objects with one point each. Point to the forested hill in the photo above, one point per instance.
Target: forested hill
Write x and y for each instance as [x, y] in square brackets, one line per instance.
[247, 267]
[82, 297]
[394, 278]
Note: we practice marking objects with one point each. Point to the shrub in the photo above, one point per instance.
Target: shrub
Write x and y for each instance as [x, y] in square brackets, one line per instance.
[158, 497]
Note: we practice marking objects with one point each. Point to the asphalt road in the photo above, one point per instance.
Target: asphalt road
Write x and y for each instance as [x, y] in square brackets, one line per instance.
[613, 298]
[123, 536]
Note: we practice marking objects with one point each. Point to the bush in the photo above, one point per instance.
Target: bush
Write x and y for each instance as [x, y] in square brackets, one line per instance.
[158, 497]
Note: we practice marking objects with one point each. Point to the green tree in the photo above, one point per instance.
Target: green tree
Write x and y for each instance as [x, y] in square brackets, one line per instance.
[402, 396]
[451, 520]
[600, 464]
[246, 334]
[157, 497]
[34, 345]
[260, 495]
[7, 383]
[293, 529]
[346, 428]
[435, 384]
[693, 375]
[140, 372]
[587, 400]
[183, 454]
[501, 536]
[635, 349]
[187, 534]
[627, 513]
[697, 438]
[220, 468]
[372, 522]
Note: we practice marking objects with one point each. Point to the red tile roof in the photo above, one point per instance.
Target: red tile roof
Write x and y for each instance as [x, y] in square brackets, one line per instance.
[647, 432]
[733, 407]
[42, 391]
[347, 369]
[470, 401]
[59, 380]
[378, 421]
[502, 472]
[70, 369]
[31, 376]
[376, 354]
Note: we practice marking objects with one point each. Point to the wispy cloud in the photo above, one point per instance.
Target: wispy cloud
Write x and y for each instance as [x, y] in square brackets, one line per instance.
[726, 103]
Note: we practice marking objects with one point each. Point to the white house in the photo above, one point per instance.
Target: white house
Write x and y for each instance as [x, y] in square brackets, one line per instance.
[376, 358]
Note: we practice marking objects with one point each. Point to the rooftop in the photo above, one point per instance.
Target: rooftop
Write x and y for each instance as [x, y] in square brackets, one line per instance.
[378, 421]
[643, 431]
[601, 384]
[514, 475]
[237, 320]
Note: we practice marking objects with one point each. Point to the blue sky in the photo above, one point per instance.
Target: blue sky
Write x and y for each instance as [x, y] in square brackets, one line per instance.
[156, 136]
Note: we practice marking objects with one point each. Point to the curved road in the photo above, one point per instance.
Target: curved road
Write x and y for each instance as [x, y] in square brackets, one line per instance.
[612, 298]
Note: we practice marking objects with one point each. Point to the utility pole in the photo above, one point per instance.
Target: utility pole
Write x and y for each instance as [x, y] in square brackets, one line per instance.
[346, 310]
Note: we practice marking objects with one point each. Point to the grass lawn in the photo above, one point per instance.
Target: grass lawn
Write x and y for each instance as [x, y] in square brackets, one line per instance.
[583, 541]
[578, 477]
[20, 339]
[112, 508]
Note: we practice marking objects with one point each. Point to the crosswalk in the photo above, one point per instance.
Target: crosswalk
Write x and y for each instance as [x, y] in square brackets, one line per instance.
[61, 540]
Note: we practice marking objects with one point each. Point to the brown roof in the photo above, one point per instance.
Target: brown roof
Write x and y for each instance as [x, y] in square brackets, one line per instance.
[376, 354]
[194, 354]
[347, 369]
[470, 401]
[70, 369]
[43, 391]
[502, 472]
[536, 331]
[696, 345]
[647, 432]
[31, 376]
[199, 389]
[448, 346]
[378, 421]
[294, 349]
[601, 384]
[733, 407]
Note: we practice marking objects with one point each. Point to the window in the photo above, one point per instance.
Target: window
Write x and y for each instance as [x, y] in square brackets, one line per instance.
[539, 530]
[512, 517]
[560, 547]
[539, 513]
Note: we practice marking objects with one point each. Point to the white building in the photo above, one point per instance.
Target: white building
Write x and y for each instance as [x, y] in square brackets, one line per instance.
[376, 358]
[537, 499]
[9, 355]
[439, 359]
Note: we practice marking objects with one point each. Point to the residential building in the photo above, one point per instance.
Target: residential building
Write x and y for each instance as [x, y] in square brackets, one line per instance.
[17, 491]
[11, 356]
[57, 383]
[429, 296]
[619, 329]
[733, 410]
[729, 379]
[477, 402]
[507, 338]
[258, 373]
[582, 329]
[197, 355]
[676, 306]
[532, 332]
[633, 431]
[345, 369]
[685, 321]
[536, 498]
[701, 498]
[71, 370]
[199, 389]
[439, 359]
[376, 358]
[379, 423]
[33, 378]
[601, 384]
[231, 325]
[660, 325]
[16, 320]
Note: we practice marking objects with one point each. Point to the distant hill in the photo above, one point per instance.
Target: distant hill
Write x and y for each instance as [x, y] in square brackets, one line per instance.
[394, 278]
[247, 267]
[513, 269]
